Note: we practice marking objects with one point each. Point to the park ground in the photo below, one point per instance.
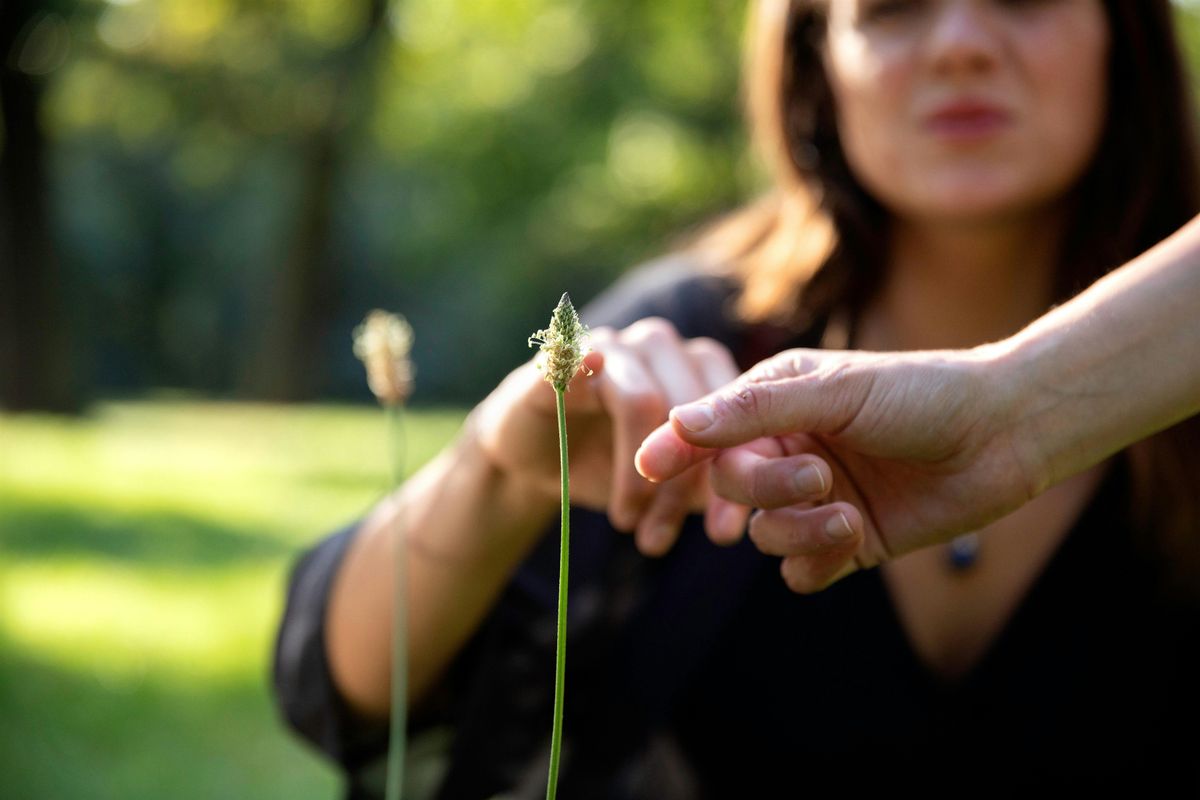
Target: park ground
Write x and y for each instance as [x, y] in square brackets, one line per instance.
[144, 554]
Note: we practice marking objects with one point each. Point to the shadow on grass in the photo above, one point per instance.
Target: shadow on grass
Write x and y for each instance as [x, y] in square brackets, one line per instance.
[36, 530]
[85, 736]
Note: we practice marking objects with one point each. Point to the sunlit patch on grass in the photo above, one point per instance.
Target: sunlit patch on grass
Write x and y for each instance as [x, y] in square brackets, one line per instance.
[289, 472]
[119, 621]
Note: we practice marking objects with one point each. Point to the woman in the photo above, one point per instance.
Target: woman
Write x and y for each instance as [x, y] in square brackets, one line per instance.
[946, 170]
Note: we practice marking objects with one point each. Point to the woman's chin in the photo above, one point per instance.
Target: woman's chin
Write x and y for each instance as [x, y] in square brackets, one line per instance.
[976, 206]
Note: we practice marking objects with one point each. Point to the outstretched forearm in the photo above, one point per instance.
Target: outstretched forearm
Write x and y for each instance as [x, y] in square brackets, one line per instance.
[1119, 362]
[466, 526]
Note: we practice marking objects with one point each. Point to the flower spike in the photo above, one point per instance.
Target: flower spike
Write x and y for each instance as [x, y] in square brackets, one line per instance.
[383, 342]
[562, 344]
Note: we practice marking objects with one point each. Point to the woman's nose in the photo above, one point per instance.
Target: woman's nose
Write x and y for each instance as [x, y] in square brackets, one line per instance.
[962, 37]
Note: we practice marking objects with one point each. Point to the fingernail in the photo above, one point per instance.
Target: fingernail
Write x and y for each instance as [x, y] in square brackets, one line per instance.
[658, 537]
[838, 528]
[638, 463]
[810, 481]
[729, 523]
[695, 417]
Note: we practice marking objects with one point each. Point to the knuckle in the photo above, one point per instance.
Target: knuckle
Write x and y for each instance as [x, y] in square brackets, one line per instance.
[796, 538]
[704, 347]
[759, 489]
[651, 330]
[784, 365]
[601, 340]
[749, 403]
[714, 360]
[647, 404]
[744, 400]
[728, 481]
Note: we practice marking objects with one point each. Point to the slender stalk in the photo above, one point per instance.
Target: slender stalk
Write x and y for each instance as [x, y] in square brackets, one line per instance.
[396, 743]
[563, 560]
[562, 345]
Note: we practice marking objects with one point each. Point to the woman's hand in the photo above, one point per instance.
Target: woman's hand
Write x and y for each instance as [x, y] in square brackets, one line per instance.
[639, 373]
[911, 449]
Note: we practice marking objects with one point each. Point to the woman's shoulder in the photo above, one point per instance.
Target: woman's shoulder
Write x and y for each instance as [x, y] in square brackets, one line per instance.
[683, 288]
[699, 298]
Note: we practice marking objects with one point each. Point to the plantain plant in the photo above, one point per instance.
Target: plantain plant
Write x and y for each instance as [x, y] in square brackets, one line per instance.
[562, 349]
[383, 342]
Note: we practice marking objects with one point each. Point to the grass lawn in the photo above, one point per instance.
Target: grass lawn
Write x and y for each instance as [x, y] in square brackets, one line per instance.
[144, 551]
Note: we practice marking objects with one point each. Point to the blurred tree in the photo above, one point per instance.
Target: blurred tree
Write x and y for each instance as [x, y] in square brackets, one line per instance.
[35, 355]
[233, 183]
[304, 288]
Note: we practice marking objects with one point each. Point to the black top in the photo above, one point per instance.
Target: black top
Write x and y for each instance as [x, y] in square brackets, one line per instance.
[700, 675]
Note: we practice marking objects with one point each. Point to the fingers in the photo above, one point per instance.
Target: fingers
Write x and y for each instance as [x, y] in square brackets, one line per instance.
[530, 388]
[725, 521]
[683, 370]
[657, 532]
[806, 575]
[764, 480]
[819, 545]
[713, 363]
[658, 529]
[807, 530]
[640, 372]
[664, 454]
[635, 404]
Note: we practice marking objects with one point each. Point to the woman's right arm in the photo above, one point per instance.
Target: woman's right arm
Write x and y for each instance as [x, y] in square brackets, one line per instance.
[471, 516]
[466, 525]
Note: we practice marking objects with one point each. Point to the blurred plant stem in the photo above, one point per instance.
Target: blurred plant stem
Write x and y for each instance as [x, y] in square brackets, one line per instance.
[399, 715]
[383, 342]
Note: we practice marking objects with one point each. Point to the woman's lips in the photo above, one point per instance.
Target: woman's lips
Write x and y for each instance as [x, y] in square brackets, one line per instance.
[967, 121]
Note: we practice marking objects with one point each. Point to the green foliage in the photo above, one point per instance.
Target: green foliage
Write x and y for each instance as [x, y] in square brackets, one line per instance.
[143, 560]
[491, 151]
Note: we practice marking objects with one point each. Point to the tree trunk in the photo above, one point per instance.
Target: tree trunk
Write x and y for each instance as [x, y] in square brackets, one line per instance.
[284, 364]
[35, 354]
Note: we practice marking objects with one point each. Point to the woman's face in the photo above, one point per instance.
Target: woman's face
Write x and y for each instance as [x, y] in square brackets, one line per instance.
[967, 109]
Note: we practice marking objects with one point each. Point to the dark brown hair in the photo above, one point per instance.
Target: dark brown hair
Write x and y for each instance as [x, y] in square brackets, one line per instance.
[817, 240]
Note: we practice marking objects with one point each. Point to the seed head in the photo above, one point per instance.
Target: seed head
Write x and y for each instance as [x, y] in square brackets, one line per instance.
[562, 344]
[382, 342]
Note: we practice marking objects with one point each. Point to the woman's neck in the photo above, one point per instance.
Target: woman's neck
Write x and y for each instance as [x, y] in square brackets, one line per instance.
[961, 286]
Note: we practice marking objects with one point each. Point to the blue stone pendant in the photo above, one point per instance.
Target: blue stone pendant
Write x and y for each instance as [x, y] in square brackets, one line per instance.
[964, 551]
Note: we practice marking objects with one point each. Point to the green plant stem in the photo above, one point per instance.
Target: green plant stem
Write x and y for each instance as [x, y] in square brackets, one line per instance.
[563, 560]
[396, 744]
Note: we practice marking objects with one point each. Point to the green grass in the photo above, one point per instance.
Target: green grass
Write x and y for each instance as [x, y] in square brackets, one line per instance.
[144, 552]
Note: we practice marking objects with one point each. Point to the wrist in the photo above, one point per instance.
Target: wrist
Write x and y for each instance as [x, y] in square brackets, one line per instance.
[520, 499]
[1011, 372]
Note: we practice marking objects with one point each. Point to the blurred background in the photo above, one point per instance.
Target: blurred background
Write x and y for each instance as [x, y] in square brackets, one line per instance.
[199, 200]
